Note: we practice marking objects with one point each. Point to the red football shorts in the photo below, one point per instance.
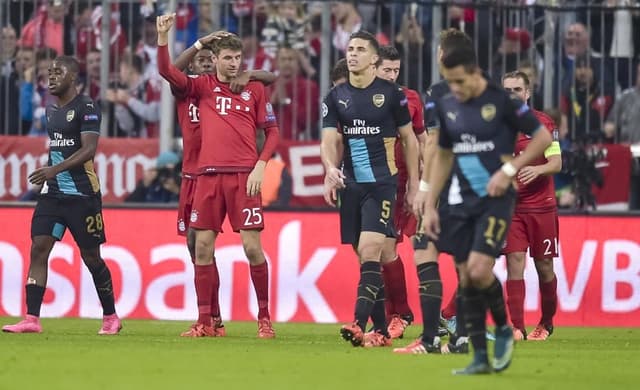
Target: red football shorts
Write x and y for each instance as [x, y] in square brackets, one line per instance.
[536, 231]
[224, 194]
[405, 222]
[185, 203]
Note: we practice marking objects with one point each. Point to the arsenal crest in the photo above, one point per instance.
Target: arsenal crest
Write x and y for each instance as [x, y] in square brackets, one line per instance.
[70, 115]
[488, 112]
[378, 100]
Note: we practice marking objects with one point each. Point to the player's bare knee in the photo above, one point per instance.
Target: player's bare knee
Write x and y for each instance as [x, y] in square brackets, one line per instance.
[254, 253]
[389, 252]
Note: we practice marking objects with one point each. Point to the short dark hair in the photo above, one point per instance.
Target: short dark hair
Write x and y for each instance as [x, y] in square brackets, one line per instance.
[71, 63]
[134, 61]
[367, 36]
[517, 74]
[230, 42]
[452, 38]
[340, 70]
[388, 52]
[45, 53]
[460, 56]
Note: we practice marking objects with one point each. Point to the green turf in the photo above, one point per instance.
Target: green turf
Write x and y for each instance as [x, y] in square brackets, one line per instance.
[150, 355]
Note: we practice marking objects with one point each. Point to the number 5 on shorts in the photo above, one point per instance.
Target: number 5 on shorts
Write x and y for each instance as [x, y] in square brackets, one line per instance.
[386, 209]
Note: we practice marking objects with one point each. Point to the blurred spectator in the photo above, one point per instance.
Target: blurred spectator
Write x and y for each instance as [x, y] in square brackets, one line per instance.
[254, 56]
[347, 21]
[16, 94]
[624, 118]
[285, 25]
[576, 44]
[513, 49]
[8, 50]
[584, 105]
[148, 49]
[37, 88]
[276, 185]
[615, 34]
[89, 35]
[415, 54]
[294, 98]
[46, 28]
[536, 85]
[160, 184]
[92, 87]
[136, 101]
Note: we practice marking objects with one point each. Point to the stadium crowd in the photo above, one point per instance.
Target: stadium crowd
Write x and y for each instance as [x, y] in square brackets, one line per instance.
[595, 91]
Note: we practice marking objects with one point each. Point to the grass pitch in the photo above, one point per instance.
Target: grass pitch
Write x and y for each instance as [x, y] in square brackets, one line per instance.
[150, 355]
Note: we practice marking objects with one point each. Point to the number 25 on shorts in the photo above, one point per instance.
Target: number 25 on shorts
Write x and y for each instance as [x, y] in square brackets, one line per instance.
[252, 216]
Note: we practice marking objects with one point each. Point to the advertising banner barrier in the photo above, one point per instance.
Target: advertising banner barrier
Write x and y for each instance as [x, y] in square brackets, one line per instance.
[119, 162]
[312, 277]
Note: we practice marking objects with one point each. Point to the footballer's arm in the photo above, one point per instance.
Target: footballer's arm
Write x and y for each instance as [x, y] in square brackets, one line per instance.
[410, 149]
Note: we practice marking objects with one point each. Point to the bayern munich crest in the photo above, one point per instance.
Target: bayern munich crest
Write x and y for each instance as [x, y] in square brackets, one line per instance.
[194, 216]
[181, 225]
[245, 96]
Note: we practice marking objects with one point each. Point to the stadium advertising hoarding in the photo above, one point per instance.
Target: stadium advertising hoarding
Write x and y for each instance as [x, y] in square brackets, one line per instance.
[313, 278]
[119, 162]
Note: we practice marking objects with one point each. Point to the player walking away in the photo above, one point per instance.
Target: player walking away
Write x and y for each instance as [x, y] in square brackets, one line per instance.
[397, 307]
[534, 225]
[452, 316]
[479, 123]
[200, 61]
[230, 172]
[369, 112]
[70, 197]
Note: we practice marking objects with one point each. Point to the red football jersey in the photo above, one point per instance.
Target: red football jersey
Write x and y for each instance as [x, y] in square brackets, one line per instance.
[538, 195]
[228, 121]
[189, 120]
[416, 110]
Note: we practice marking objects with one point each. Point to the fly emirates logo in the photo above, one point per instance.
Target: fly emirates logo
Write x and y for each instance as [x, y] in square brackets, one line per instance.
[59, 141]
[360, 128]
[469, 144]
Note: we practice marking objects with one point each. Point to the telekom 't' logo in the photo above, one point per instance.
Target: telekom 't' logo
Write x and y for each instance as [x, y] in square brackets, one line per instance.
[223, 104]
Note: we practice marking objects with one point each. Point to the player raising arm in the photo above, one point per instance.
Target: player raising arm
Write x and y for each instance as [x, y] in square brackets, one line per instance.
[231, 170]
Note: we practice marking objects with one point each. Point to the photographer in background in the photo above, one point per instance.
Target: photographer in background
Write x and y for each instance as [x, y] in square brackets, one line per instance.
[160, 184]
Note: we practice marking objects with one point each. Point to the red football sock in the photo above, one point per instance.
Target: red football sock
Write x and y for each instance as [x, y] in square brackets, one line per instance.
[549, 301]
[389, 307]
[203, 282]
[451, 308]
[260, 279]
[395, 286]
[515, 302]
[215, 288]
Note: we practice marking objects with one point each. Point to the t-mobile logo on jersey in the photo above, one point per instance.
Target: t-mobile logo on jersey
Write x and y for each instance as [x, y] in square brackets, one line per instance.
[223, 104]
